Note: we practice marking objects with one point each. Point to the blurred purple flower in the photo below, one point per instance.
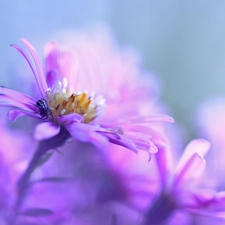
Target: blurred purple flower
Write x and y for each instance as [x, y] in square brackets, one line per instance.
[166, 193]
[211, 125]
[182, 189]
[13, 161]
[110, 74]
[210, 122]
[161, 191]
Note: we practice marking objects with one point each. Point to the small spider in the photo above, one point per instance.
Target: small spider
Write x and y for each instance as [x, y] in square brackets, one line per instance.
[44, 111]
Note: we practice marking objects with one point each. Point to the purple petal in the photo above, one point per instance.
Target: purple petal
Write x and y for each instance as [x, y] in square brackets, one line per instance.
[12, 98]
[58, 60]
[14, 114]
[46, 130]
[145, 133]
[156, 118]
[119, 140]
[191, 170]
[199, 146]
[86, 133]
[163, 163]
[145, 119]
[142, 141]
[52, 55]
[191, 163]
[51, 78]
[40, 78]
[73, 117]
[24, 54]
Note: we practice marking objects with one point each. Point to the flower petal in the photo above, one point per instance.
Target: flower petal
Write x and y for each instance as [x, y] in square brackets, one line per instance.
[46, 130]
[119, 140]
[142, 141]
[73, 117]
[198, 146]
[11, 98]
[192, 162]
[58, 60]
[14, 114]
[144, 119]
[191, 170]
[51, 78]
[164, 163]
[86, 133]
[40, 78]
[24, 54]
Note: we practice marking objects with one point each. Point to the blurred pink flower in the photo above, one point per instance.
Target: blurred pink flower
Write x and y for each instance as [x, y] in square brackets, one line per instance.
[102, 70]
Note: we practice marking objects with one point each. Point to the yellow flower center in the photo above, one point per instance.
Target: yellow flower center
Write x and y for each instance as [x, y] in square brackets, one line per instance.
[62, 102]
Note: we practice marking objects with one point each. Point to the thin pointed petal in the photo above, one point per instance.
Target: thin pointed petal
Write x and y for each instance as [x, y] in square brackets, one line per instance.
[40, 73]
[142, 141]
[191, 170]
[146, 119]
[14, 114]
[24, 54]
[199, 146]
[164, 163]
[15, 94]
[11, 98]
[119, 140]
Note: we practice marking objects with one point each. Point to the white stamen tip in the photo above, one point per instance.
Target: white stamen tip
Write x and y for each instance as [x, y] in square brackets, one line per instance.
[63, 111]
[59, 84]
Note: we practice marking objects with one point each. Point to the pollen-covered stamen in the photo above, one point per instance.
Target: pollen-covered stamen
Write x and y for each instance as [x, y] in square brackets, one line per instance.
[62, 102]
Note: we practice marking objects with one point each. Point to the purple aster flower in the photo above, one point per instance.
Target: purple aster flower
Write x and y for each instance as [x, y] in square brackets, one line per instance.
[111, 75]
[60, 102]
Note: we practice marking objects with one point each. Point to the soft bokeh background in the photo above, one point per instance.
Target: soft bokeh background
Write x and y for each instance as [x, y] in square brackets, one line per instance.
[181, 41]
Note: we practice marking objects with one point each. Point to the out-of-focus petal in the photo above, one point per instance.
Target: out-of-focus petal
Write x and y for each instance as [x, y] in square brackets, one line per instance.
[163, 163]
[191, 170]
[147, 132]
[46, 130]
[51, 77]
[57, 60]
[211, 123]
[144, 119]
[198, 146]
[142, 141]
